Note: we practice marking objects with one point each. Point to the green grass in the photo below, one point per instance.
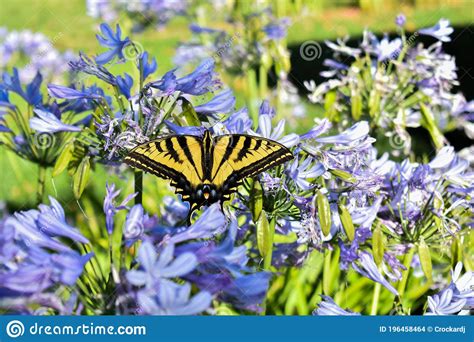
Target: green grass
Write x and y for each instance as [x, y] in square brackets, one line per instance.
[338, 22]
[68, 26]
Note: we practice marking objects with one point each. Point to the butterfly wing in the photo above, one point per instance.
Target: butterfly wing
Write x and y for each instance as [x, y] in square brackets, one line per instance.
[177, 158]
[238, 156]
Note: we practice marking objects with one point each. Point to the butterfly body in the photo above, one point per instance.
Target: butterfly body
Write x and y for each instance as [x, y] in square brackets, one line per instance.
[207, 169]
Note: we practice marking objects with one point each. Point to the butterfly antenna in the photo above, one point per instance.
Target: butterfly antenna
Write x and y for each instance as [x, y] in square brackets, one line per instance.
[217, 122]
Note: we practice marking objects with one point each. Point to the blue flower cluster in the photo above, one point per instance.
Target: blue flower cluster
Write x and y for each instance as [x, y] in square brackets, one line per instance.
[40, 259]
[410, 86]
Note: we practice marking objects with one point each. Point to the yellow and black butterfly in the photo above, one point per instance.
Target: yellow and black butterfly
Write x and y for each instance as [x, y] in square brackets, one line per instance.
[204, 169]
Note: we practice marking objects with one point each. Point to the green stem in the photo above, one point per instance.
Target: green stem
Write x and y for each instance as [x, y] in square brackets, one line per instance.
[375, 299]
[327, 273]
[267, 260]
[263, 81]
[41, 183]
[119, 99]
[407, 262]
[138, 186]
[252, 94]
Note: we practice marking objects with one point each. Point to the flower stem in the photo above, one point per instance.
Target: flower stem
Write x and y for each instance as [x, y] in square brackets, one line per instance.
[252, 94]
[407, 262]
[138, 186]
[41, 183]
[375, 299]
[267, 261]
[327, 273]
[263, 82]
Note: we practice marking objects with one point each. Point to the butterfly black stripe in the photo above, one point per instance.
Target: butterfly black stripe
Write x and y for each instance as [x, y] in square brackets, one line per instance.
[207, 153]
[183, 143]
[171, 150]
[205, 169]
[228, 151]
[243, 152]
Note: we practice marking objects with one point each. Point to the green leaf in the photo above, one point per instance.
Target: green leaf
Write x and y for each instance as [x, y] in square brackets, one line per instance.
[429, 122]
[189, 113]
[378, 247]
[374, 103]
[81, 177]
[346, 176]
[256, 200]
[425, 259]
[324, 212]
[346, 221]
[327, 273]
[438, 204]
[225, 310]
[329, 105]
[79, 152]
[456, 252]
[63, 159]
[356, 106]
[264, 235]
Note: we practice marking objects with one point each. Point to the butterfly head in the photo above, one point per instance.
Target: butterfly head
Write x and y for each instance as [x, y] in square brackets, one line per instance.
[207, 193]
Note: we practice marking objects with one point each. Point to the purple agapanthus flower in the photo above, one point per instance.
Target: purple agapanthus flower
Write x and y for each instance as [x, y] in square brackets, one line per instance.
[400, 20]
[88, 66]
[35, 257]
[195, 28]
[238, 122]
[247, 291]
[303, 172]
[47, 122]
[31, 95]
[327, 307]
[5, 105]
[156, 267]
[387, 49]
[266, 130]
[221, 103]
[62, 92]
[69, 266]
[202, 80]
[110, 208]
[320, 128]
[189, 130]
[134, 226]
[277, 30]
[148, 67]
[211, 221]
[459, 295]
[357, 132]
[369, 269]
[40, 227]
[173, 299]
[125, 85]
[52, 221]
[445, 303]
[441, 31]
[113, 41]
[174, 211]
[35, 51]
